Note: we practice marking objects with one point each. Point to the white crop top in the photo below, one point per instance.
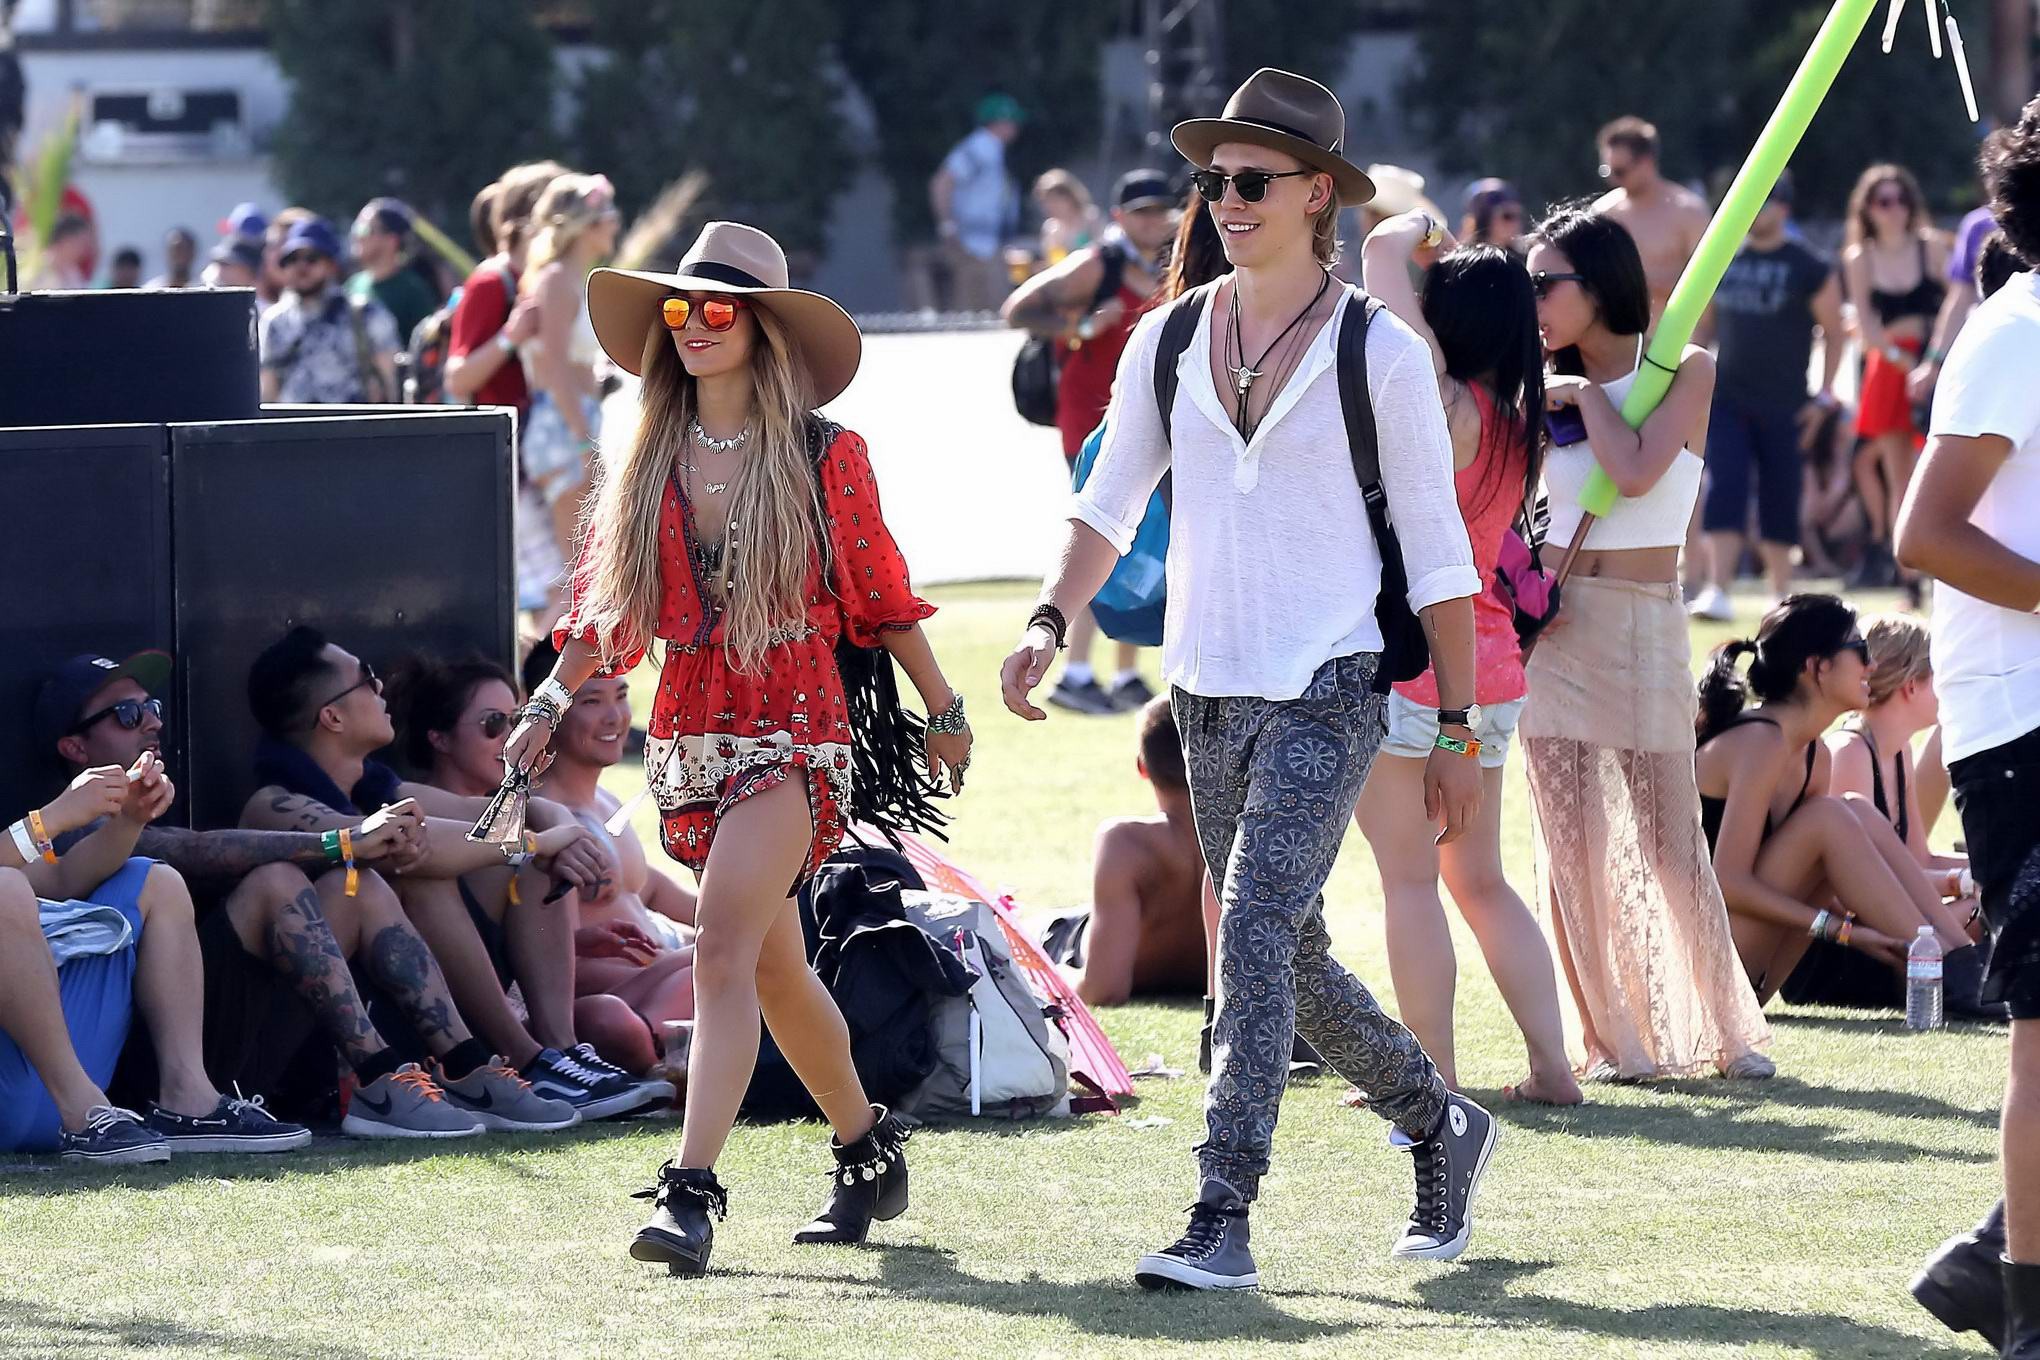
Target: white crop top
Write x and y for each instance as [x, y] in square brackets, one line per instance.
[1656, 519]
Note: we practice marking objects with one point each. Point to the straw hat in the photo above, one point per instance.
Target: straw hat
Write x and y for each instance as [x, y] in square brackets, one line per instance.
[1288, 113]
[731, 258]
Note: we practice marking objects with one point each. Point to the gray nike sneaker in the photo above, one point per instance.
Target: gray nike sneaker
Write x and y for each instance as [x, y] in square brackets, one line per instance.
[406, 1104]
[496, 1095]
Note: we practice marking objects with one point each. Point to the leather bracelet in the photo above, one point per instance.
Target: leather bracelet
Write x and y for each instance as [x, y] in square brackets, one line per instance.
[1057, 624]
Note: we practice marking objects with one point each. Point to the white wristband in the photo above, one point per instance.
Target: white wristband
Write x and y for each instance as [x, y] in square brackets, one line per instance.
[24, 842]
[506, 344]
[551, 689]
[1966, 884]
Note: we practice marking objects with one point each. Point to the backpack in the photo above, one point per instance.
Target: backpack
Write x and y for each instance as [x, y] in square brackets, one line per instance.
[1131, 605]
[1405, 654]
[1022, 1059]
[421, 368]
[1522, 581]
[1035, 370]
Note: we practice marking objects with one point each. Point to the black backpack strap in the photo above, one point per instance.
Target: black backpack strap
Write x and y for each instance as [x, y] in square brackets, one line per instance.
[1358, 404]
[1176, 332]
[1112, 261]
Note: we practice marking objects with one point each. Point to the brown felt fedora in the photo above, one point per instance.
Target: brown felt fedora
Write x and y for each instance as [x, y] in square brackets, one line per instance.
[1286, 112]
[728, 257]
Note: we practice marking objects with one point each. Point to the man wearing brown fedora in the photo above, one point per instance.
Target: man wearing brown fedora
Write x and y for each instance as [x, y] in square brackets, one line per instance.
[1272, 645]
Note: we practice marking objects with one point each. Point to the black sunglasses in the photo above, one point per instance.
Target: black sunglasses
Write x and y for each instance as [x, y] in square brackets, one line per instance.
[299, 257]
[128, 713]
[1252, 184]
[369, 679]
[1541, 283]
[494, 723]
[1860, 646]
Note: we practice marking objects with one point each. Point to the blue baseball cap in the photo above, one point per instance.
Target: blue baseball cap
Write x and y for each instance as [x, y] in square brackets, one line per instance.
[314, 234]
[247, 219]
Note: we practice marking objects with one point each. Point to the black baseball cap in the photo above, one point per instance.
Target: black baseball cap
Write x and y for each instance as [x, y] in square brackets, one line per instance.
[1782, 191]
[65, 689]
[1143, 188]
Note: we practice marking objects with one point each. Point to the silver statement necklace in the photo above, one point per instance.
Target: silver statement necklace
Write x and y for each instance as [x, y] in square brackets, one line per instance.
[700, 438]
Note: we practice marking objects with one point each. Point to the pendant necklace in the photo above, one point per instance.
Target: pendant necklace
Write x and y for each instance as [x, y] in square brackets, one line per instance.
[701, 439]
[1243, 374]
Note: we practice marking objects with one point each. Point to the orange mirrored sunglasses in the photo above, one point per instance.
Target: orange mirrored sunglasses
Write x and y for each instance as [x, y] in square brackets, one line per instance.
[717, 314]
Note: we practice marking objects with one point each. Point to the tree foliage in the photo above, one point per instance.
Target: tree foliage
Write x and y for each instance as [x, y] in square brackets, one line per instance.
[746, 93]
[1503, 92]
[425, 101]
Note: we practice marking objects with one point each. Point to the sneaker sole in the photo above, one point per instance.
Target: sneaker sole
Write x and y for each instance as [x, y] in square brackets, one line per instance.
[282, 1142]
[491, 1120]
[627, 1102]
[659, 1250]
[152, 1152]
[1166, 1272]
[1088, 709]
[354, 1126]
[1450, 1250]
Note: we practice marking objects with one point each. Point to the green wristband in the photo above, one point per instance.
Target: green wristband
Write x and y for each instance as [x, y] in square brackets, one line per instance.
[330, 843]
[1454, 745]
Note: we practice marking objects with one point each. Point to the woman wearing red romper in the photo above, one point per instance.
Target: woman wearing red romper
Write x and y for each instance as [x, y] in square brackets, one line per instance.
[743, 533]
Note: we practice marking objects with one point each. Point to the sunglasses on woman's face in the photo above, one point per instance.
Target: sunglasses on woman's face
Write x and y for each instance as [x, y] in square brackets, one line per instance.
[1860, 646]
[717, 314]
[1890, 201]
[128, 713]
[1251, 184]
[1542, 283]
[494, 723]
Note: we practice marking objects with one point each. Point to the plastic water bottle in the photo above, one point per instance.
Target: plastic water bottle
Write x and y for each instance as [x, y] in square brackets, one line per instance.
[1923, 981]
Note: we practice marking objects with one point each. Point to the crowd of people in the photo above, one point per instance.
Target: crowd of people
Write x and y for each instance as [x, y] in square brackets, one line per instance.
[1357, 482]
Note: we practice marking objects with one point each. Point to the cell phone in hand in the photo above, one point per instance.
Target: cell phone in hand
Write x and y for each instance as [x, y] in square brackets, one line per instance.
[1566, 425]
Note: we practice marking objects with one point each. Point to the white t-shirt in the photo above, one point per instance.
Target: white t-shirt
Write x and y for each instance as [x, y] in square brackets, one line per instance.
[1987, 658]
[981, 198]
[1273, 568]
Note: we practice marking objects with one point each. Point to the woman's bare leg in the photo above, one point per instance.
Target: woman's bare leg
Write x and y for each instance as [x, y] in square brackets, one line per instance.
[809, 1029]
[1421, 961]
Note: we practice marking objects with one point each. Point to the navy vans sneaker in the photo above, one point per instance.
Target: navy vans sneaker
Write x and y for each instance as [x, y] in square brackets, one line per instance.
[235, 1125]
[114, 1136]
[595, 1092]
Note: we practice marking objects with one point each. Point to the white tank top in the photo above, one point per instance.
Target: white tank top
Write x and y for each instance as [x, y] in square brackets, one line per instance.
[582, 346]
[1656, 519]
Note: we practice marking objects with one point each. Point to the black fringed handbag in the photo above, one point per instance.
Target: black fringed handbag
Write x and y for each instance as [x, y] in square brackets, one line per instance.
[889, 783]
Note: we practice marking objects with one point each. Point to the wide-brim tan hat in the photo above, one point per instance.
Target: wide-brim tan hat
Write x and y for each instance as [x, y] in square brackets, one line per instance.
[1285, 112]
[728, 257]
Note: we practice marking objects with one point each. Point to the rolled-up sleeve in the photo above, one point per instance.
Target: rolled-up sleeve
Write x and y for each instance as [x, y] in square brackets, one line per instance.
[1416, 469]
[1135, 452]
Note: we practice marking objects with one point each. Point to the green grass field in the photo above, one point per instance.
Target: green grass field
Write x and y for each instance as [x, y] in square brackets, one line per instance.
[1682, 1219]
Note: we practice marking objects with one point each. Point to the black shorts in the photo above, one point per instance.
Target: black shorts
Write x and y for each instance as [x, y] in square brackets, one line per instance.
[491, 931]
[1998, 794]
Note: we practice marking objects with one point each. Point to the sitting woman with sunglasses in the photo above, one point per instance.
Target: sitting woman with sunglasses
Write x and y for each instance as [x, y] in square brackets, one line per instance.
[744, 531]
[1608, 732]
[1797, 866]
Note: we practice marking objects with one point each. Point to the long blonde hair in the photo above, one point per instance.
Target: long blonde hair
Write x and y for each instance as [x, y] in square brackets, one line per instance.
[774, 506]
[568, 207]
[1901, 652]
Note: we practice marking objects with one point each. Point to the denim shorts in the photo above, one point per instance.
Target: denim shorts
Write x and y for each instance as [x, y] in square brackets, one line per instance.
[1413, 729]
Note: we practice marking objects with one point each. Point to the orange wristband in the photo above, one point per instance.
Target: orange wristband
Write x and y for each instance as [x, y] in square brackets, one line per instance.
[43, 844]
[347, 859]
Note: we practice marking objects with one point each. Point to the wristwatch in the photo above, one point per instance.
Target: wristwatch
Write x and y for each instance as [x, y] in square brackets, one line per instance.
[1468, 717]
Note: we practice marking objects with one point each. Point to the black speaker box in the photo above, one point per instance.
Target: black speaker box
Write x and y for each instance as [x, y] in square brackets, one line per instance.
[117, 356]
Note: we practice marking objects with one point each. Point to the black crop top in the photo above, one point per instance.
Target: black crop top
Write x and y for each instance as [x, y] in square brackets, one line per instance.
[1711, 809]
[1923, 299]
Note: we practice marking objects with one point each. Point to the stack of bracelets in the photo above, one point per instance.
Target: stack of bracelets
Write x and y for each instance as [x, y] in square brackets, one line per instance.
[548, 703]
[339, 847]
[1832, 928]
[32, 840]
[1049, 617]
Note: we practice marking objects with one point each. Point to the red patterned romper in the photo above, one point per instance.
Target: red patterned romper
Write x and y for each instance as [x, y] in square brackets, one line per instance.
[718, 735]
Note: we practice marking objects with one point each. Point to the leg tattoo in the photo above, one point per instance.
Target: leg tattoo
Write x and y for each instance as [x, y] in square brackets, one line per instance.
[302, 948]
[399, 960]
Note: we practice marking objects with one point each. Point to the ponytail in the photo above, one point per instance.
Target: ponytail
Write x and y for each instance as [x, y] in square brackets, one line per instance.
[1723, 692]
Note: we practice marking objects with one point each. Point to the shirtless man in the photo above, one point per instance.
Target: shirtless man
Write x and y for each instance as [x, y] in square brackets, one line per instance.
[637, 925]
[1666, 219]
[1144, 935]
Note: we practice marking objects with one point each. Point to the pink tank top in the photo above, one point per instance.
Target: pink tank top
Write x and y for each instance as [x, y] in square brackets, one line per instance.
[1490, 493]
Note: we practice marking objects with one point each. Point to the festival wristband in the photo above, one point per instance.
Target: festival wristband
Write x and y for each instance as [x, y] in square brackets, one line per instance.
[43, 846]
[24, 844]
[1468, 747]
[329, 841]
[347, 858]
[1848, 928]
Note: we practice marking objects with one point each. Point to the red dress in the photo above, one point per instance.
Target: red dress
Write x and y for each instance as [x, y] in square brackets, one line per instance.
[719, 735]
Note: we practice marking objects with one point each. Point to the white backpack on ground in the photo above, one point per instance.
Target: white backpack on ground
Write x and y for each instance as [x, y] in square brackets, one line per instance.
[999, 1054]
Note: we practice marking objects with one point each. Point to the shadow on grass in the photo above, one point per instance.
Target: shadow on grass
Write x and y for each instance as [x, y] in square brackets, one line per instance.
[49, 1175]
[31, 1328]
[1484, 1290]
[1096, 1307]
[1723, 1114]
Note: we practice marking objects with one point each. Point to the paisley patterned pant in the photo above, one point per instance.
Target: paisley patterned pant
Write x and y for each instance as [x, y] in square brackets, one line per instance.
[1272, 787]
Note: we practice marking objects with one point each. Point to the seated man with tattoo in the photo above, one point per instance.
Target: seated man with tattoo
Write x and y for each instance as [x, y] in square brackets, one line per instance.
[1144, 934]
[322, 712]
[87, 937]
[637, 924]
[276, 943]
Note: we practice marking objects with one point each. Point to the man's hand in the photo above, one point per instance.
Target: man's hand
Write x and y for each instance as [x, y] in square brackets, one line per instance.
[569, 852]
[1023, 671]
[98, 792]
[616, 940]
[1452, 792]
[149, 790]
[394, 838]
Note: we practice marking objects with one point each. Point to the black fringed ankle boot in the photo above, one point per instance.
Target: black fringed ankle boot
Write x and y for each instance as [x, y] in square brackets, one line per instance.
[1962, 1283]
[680, 1232]
[869, 1185]
[2022, 1310]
